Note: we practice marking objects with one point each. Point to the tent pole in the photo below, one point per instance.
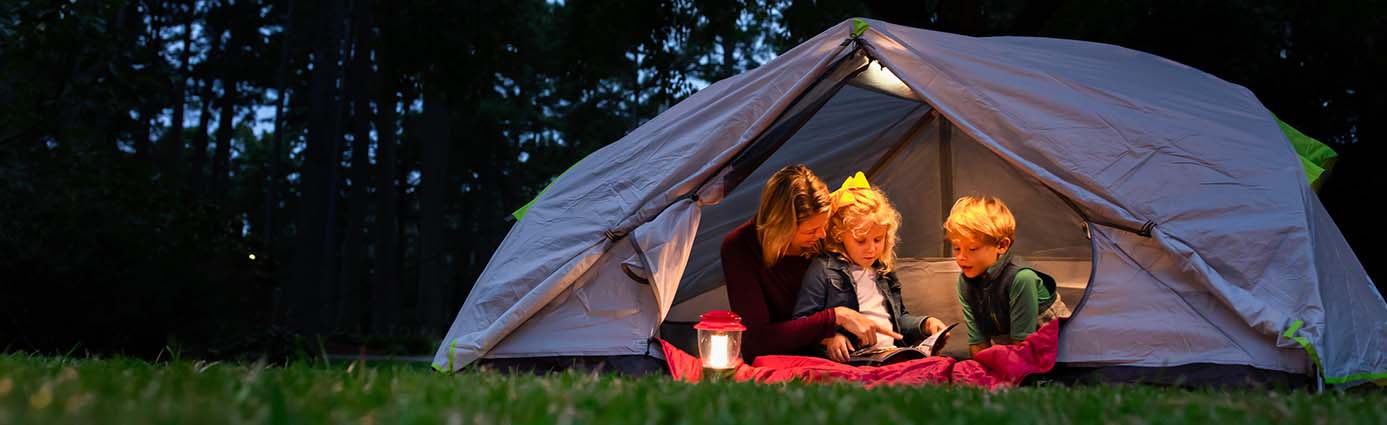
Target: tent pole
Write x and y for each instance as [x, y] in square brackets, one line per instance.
[946, 177]
[896, 149]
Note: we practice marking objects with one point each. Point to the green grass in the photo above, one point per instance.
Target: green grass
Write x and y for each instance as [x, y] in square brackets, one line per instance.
[113, 391]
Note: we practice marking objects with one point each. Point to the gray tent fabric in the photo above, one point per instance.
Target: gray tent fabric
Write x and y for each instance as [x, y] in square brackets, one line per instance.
[1151, 312]
[1176, 191]
[618, 187]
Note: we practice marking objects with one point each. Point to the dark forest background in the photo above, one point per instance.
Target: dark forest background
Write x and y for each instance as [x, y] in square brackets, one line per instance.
[223, 176]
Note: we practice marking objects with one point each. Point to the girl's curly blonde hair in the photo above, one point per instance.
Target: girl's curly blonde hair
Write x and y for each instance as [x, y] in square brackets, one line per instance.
[855, 215]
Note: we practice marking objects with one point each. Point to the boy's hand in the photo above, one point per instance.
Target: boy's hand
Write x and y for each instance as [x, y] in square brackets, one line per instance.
[932, 325]
[838, 347]
[973, 349]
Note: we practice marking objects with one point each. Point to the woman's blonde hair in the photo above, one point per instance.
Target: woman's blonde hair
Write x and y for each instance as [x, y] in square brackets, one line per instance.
[855, 215]
[794, 194]
[984, 219]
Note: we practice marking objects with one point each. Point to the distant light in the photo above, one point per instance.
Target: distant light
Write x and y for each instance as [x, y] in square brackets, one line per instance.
[252, 257]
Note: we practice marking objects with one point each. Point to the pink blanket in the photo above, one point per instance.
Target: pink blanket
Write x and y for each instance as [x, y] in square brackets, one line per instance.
[995, 367]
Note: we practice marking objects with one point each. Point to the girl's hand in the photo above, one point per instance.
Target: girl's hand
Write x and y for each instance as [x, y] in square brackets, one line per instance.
[861, 327]
[837, 347]
[932, 325]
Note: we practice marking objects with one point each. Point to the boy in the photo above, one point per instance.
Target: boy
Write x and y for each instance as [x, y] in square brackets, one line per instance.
[1003, 299]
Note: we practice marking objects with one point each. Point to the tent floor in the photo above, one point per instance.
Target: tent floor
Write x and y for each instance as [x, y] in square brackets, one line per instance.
[1196, 375]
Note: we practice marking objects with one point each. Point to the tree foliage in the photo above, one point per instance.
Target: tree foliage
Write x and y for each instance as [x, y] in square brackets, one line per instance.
[367, 152]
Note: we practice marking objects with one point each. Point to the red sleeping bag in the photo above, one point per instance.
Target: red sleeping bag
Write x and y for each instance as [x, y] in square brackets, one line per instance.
[995, 367]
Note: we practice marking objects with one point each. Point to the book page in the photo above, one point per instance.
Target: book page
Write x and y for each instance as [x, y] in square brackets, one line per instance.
[931, 346]
[935, 343]
[872, 352]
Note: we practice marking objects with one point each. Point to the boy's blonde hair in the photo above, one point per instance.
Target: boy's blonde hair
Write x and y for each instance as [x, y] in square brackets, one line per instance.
[855, 215]
[792, 195]
[984, 219]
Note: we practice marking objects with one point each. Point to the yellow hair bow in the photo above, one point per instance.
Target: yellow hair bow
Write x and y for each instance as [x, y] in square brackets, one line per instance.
[844, 194]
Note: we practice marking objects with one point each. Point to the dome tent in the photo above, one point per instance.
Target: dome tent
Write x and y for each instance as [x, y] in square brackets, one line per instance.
[1169, 199]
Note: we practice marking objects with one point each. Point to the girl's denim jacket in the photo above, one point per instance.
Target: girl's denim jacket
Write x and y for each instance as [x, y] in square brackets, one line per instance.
[827, 285]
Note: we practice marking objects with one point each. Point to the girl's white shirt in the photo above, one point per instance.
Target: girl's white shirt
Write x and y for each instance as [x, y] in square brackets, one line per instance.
[871, 303]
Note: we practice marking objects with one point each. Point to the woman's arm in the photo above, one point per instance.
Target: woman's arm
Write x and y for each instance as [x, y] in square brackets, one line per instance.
[745, 295]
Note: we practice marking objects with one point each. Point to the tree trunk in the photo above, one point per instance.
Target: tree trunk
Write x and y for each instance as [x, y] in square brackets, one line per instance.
[354, 249]
[225, 128]
[149, 106]
[433, 192]
[330, 292]
[141, 133]
[635, 109]
[314, 223]
[385, 294]
[195, 174]
[123, 30]
[272, 179]
[729, 46]
[171, 150]
[198, 176]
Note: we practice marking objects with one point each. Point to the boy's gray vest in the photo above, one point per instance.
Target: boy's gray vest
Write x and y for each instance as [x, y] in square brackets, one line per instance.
[991, 301]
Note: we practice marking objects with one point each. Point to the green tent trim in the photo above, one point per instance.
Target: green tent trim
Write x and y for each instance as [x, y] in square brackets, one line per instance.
[520, 213]
[1319, 367]
[1304, 343]
[1315, 156]
[452, 351]
[859, 26]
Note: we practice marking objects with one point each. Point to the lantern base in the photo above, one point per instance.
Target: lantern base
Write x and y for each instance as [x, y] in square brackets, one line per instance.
[718, 375]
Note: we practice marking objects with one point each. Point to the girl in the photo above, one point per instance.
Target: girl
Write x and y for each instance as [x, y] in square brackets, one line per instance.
[855, 269]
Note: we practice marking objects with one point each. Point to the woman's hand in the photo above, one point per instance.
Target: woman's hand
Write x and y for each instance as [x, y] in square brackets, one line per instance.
[933, 325]
[837, 347]
[861, 327]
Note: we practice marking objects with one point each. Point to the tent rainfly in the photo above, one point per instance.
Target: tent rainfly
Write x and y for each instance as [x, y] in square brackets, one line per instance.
[1169, 204]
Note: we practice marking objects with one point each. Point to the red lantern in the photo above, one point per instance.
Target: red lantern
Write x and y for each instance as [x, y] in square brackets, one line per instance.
[720, 339]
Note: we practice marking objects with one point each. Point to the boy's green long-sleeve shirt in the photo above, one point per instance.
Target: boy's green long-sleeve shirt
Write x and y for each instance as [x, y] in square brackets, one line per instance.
[1026, 295]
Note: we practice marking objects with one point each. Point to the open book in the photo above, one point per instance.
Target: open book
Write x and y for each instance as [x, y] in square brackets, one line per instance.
[931, 346]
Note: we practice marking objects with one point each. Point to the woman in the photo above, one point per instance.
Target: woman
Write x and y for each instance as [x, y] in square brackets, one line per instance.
[764, 261]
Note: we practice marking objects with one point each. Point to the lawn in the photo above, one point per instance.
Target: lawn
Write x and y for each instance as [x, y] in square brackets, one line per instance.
[113, 391]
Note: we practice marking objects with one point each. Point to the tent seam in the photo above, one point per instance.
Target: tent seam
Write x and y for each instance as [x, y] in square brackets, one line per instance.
[1128, 256]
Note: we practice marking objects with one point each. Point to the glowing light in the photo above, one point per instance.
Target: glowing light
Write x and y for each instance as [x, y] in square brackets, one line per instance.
[717, 358]
[879, 78]
[252, 257]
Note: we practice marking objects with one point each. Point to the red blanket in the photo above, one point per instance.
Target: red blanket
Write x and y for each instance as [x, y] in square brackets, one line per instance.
[995, 367]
